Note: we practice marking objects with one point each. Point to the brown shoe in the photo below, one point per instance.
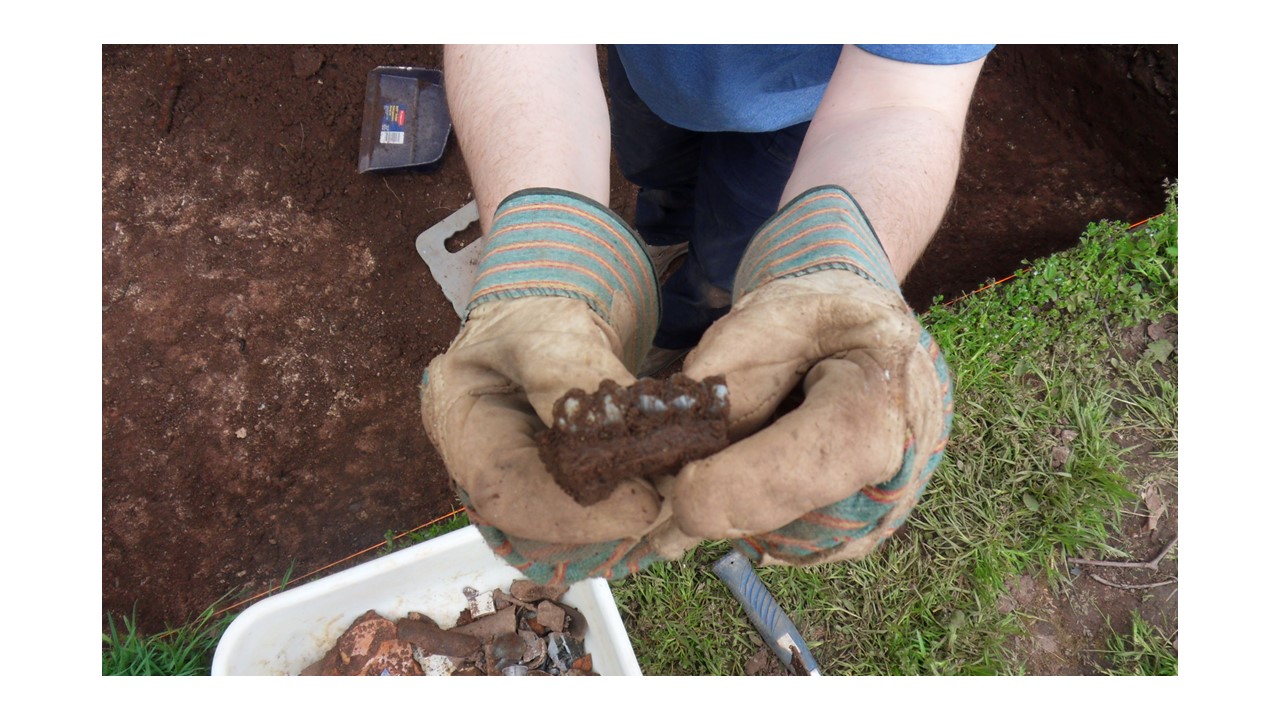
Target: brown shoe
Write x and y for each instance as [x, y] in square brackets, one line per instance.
[664, 255]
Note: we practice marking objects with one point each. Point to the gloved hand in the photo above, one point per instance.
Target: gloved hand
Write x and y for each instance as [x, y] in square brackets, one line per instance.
[816, 302]
[564, 298]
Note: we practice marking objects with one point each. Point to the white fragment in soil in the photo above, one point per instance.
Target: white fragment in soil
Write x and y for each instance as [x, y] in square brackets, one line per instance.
[242, 433]
[570, 407]
[612, 413]
[481, 604]
[684, 402]
[651, 404]
[721, 393]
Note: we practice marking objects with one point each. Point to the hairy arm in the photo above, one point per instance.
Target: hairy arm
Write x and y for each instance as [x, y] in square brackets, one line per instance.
[890, 133]
[529, 116]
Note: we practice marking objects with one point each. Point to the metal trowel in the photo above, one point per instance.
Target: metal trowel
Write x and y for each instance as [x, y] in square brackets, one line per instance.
[455, 272]
[782, 636]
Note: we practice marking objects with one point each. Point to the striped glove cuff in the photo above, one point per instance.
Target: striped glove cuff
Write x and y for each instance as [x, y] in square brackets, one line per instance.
[822, 229]
[547, 242]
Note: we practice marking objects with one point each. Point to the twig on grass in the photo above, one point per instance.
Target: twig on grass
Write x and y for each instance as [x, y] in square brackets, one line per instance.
[1151, 564]
[1123, 586]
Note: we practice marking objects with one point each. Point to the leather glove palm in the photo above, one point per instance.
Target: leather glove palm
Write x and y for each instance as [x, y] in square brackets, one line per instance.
[817, 305]
[564, 297]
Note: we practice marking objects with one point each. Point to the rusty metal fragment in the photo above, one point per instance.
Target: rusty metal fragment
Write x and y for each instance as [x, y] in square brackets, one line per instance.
[535, 649]
[434, 641]
[551, 616]
[531, 592]
[576, 622]
[490, 626]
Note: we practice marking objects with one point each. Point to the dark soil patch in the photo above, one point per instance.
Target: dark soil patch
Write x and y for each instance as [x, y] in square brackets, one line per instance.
[266, 319]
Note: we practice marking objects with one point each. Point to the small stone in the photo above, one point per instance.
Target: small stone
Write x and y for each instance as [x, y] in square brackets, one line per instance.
[242, 433]
[1060, 456]
[307, 63]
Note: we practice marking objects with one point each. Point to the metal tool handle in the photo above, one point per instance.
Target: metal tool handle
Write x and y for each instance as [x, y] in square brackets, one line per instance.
[735, 570]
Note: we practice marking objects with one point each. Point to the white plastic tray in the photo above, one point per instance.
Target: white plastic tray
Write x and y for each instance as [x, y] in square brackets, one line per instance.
[285, 633]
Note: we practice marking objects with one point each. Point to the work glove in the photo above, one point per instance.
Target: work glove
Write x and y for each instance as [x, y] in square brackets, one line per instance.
[816, 305]
[564, 297]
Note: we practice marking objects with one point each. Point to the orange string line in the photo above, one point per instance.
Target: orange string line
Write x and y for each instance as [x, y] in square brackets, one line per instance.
[984, 287]
[1140, 223]
[352, 556]
[1134, 226]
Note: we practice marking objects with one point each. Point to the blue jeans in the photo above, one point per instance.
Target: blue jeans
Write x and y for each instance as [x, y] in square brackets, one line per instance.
[710, 189]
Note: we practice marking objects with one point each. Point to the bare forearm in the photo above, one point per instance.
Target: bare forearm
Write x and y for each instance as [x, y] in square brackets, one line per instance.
[893, 142]
[529, 116]
[902, 176]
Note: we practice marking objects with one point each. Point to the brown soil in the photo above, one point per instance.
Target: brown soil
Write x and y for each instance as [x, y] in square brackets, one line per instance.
[617, 433]
[266, 319]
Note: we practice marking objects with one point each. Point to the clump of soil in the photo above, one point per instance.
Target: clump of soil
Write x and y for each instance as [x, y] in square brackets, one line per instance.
[652, 428]
[524, 631]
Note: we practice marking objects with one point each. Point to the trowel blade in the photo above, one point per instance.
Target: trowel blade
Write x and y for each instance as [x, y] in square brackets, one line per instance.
[455, 272]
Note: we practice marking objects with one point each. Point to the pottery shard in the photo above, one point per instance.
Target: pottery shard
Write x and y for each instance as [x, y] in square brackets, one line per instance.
[435, 641]
[369, 646]
[393, 657]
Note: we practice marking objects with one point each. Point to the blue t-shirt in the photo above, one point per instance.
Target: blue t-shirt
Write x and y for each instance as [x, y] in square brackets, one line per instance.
[753, 88]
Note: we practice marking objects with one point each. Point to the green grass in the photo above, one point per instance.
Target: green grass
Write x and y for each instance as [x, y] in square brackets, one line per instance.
[1031, 358]
[187, 650]
[1144, 651]
[400, 540]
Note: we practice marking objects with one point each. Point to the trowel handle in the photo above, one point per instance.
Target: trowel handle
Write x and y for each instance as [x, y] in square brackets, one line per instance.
[735, 570]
